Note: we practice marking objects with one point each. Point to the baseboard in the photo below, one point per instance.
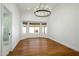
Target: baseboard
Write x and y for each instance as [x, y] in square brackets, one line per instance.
[35, 38]
[63, 44]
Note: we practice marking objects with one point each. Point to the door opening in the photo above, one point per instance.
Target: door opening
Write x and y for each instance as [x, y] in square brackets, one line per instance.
[6, 30]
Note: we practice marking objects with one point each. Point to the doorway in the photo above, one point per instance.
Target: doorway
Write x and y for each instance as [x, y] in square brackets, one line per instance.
[6, 30]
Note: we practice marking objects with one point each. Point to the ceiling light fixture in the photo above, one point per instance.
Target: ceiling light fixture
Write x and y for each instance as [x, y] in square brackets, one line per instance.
[42, 10]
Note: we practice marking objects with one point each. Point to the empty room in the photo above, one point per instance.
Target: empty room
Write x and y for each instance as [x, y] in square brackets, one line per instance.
[39, 29]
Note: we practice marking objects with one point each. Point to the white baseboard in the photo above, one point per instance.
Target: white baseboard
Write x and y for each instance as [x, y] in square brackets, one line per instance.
[76, 49]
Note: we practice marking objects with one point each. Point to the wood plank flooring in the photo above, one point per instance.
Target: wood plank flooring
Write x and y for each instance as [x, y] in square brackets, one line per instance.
[41, 47]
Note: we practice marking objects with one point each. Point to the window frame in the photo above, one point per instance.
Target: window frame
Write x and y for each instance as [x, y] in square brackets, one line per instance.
[24, 26]
[34, 29]
[43, 29]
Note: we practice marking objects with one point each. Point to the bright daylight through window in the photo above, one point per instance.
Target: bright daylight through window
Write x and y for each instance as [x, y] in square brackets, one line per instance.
[34, 28]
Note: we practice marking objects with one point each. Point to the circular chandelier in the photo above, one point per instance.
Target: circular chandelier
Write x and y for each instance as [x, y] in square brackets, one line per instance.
[42, 11]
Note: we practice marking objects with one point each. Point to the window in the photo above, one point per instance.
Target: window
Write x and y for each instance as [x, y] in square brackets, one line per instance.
[44, 29]
[24, 29]
[34, 29]
[31, 29]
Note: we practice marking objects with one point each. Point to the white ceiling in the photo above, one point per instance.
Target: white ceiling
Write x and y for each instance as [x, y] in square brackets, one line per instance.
[24, 7]
[27, 9]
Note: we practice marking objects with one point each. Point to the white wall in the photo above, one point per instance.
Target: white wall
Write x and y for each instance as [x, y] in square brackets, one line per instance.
[29, 16]
[15, 23]
[63, 25]
[0, 29]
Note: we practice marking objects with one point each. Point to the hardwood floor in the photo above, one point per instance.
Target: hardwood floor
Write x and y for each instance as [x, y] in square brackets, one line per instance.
[41, 47]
